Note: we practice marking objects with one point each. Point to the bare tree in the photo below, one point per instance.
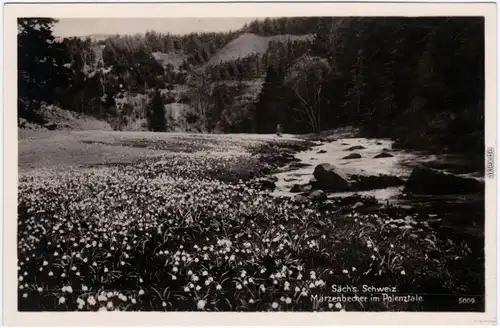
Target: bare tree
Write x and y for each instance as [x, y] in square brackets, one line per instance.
[306, 79]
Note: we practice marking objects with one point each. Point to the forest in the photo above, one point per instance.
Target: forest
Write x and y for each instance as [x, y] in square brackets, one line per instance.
[419, 81]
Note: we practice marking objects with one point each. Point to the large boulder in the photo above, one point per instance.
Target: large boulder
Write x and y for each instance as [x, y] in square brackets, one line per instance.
[328, 178]
[424, 180]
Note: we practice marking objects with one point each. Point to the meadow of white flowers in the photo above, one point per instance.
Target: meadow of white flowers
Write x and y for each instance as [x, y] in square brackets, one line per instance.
[192, 232]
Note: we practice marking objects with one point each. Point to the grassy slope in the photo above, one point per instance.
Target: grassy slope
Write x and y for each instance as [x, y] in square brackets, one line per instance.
[248, 44]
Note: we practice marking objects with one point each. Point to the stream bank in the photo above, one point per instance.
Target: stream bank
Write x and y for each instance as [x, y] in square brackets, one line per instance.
[460, 214]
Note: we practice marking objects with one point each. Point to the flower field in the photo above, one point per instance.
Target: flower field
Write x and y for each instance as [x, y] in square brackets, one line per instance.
[192, 232]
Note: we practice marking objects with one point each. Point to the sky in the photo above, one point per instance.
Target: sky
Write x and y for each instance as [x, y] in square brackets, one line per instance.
[85, 26]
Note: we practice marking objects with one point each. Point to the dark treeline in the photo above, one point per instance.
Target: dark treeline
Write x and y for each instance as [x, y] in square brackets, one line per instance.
[417, 80]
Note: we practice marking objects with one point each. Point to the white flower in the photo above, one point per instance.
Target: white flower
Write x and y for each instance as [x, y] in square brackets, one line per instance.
[39, 289]
[62, 300]
[186, 289]
[319, 283]
[403, 272]
[109, 305]
[25, 295]
[45, 263]
[91, 300]
[218, 287]
[102, 298]
[164, 304]
[345, 271]
[201, 304]
[274, 305]
[288, 300]
[338, 305]
[51, 273]
[353, 269]
[330, 305]
[133, 300]
[84, 288]
[141, 292]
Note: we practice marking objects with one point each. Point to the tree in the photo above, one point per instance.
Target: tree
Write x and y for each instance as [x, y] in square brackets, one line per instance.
[306, 80]
[157, 121]
[41, 70]
[267, 109]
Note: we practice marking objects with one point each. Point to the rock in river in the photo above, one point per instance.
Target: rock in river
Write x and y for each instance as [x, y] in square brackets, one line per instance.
[317, 196]
[424, 180]
[352, 156]
[383, 155]
[301, 188]
[328, 178]
[359, 147]
[371, 182]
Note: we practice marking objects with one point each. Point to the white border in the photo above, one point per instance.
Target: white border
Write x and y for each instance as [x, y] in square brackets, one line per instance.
[12, 11]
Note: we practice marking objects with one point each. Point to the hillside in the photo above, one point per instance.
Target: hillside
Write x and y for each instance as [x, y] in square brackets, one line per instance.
[59, 119]
[249, 43]
[176, 59]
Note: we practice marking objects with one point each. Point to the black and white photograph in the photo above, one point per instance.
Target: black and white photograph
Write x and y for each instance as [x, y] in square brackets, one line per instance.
[251, 164]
